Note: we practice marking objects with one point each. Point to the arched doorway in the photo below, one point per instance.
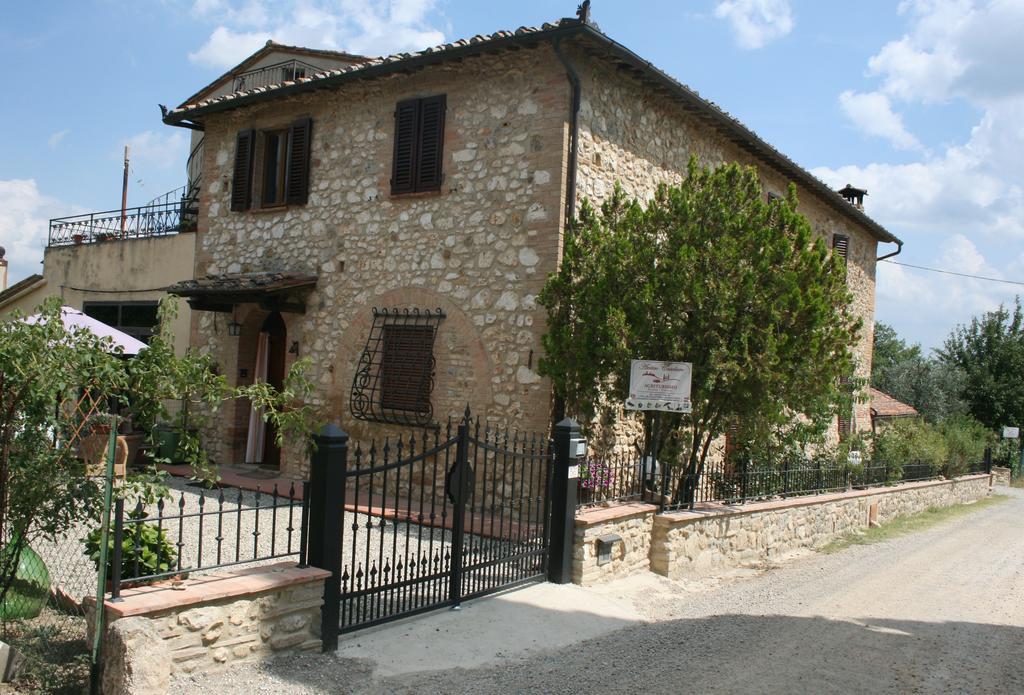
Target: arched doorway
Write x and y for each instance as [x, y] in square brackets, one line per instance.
[277, 344]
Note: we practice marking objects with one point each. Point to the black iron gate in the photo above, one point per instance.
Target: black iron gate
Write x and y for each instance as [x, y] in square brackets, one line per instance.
[439, 517]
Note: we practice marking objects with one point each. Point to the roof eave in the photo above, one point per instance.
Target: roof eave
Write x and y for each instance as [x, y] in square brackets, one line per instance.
[746, 137]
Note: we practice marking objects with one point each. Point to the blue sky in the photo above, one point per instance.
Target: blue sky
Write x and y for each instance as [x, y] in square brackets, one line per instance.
[919, 101]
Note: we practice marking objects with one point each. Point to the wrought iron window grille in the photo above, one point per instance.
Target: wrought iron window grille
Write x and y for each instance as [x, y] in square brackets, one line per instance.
[394, 379]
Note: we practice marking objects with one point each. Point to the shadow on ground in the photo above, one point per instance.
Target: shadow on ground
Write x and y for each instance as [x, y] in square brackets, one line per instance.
[727, 654]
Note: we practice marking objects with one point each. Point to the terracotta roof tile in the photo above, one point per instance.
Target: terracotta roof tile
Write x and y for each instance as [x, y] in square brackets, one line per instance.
[884, 405]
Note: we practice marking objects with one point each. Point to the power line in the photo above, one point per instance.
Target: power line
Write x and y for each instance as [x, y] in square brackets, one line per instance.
[963, 275]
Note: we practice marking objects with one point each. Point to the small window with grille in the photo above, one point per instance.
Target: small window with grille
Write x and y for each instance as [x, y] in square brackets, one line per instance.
[395, 375]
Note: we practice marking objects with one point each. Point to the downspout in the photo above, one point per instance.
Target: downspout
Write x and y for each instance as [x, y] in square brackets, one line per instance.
[558, 410]
[574, 134]
[899, 247]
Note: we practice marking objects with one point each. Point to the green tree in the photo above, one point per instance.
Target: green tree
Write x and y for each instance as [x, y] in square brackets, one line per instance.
[990, 351]
[889, 349]
[713, 273]
[933, 386]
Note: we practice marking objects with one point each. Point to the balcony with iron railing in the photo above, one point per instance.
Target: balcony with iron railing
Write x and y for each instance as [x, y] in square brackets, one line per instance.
[273, 74]
[171, 213]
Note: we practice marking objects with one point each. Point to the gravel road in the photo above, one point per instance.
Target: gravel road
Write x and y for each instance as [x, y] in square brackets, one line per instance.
[940, 610]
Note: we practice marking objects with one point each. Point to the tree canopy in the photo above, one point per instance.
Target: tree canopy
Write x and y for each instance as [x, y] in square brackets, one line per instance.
[710, 272]
[990, 351]
[927, 382]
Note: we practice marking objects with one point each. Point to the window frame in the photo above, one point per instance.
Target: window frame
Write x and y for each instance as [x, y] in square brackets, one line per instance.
[143, 333]
[284, 147]
[419, 135]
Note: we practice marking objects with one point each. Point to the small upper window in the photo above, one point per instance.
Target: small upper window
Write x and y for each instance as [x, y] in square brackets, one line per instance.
[419, 145]
[283, 167]
[137, 319]
[841, 245]
[275, 156]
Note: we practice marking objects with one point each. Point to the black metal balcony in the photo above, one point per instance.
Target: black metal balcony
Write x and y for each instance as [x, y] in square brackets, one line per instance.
[155, 219]
[273, 74]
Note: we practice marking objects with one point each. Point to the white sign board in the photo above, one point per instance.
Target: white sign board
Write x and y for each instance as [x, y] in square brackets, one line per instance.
[1011, 432]
[657, 385]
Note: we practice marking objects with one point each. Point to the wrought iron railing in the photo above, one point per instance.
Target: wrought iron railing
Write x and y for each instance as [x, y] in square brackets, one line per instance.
[625, 478]
[160, 219]
[273, 74]
[239, 527]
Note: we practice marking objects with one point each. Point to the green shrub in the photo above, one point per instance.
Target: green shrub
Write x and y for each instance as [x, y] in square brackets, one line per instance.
[966, 439]
[910, 441]
[155, 553]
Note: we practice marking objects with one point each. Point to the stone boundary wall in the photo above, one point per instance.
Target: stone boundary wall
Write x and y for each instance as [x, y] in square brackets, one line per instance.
[1001, 476]
[717, 536]
[208, 624]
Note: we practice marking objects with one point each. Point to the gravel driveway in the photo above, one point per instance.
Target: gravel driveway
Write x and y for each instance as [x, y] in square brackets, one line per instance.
[941, 610]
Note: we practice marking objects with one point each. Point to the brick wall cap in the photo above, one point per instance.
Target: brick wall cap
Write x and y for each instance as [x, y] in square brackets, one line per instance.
[207, 588]
[618, 512]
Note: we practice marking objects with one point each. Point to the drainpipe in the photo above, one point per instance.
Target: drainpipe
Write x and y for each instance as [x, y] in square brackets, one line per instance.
[574, 134]
[899, 247]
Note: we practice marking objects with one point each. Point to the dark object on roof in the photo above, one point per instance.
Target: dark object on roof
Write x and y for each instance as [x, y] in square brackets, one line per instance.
[272, 291]
[853, 195]
[527, 37]
[885, 406]
[19, 287]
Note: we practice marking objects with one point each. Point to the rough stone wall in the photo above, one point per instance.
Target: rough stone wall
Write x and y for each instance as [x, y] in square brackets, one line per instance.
[1001, 476]
[638, 139]
[212, 637]
[629, 556]
[480, 249]
[686, 544]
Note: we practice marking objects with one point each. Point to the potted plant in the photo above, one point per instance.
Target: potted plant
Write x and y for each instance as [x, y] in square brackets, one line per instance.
[140, 541]
[78, 239]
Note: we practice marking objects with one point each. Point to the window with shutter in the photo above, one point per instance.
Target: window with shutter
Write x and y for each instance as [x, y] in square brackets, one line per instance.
[297, 187]
[840, 245]
[241, 180]
[395, 375]
[419, 145]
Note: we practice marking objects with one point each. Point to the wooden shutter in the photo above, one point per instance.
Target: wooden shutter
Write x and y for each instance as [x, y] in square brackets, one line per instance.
[406, 367]
[299, 146]
[840, 245]
[241, 180]
[403, 179]
[431, 143]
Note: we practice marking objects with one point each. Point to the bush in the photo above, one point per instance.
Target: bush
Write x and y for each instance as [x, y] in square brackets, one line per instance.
[966, 439]
[910, 442]
[156, 555]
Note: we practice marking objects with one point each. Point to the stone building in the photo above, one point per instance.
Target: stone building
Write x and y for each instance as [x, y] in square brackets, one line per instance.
[394, 219]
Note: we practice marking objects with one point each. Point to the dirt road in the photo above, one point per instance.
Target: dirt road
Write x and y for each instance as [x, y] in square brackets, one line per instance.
[940, 610]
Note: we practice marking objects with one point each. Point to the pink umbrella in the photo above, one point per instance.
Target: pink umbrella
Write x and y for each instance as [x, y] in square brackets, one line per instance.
[73, 318]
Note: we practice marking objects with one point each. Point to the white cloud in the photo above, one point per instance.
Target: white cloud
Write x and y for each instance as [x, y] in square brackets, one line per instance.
[756, 23]
[24, 221]
[226, 48]
[357, 26]
[872, 113]
[55, 139]
[161, 150]
[961, 207]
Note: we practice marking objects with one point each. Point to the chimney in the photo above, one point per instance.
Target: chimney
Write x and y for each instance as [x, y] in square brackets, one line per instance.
[3, 269]
[854, 196]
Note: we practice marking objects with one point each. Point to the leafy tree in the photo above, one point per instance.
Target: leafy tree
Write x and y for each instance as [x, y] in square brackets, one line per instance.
[888, 350]
[709, 272]
[934, 387]
[990, 351]
[56, 384]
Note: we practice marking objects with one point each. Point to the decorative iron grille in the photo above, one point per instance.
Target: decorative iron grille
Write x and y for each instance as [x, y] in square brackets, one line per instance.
[395, 375]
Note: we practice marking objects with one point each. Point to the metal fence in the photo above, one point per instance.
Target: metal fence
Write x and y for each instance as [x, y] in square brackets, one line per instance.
[204, 531]
[619, 478]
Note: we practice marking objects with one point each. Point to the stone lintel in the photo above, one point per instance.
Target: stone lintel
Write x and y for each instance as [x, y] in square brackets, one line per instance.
[161, 596]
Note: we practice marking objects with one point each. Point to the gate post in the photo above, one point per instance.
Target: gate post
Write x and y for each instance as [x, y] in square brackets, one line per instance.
[326, 502]
[563, 502]
[988, 460]
[459, 494]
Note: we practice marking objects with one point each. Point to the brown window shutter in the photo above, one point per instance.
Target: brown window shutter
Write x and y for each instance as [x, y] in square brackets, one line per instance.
[431, 143]
[407, 366]
[297, 187]
[241, 180]
[840, 245]
[403, 179]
